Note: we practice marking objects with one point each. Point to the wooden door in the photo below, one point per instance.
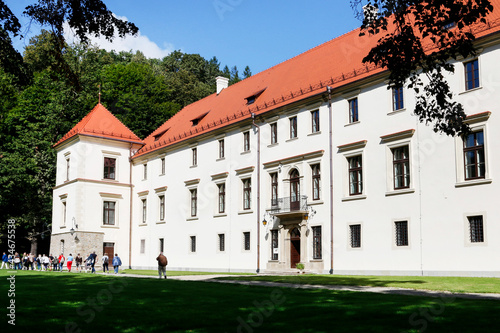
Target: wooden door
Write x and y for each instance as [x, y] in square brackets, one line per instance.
[109, 248]
[294, 247]
[294, 190]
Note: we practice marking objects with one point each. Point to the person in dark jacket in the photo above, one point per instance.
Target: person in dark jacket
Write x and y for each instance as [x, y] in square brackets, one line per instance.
[162, 265]
[92, 258]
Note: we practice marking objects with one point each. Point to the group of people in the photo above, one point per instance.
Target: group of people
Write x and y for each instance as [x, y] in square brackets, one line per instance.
[28, 261]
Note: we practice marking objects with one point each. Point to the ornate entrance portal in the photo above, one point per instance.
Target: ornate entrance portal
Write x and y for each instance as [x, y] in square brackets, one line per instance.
[294, 247]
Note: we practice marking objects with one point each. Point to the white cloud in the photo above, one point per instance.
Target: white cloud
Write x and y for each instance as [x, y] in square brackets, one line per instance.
[135, 43]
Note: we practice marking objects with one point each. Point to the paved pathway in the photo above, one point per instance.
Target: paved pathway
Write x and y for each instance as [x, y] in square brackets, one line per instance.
[380, 290]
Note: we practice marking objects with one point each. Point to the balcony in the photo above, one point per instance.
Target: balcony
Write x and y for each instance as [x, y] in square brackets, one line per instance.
[285, 206]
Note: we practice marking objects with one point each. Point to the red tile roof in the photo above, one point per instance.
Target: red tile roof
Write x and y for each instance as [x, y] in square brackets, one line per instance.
[103, 124]
[334, 63]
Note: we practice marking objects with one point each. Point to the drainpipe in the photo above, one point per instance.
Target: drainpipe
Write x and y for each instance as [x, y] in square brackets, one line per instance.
[330, 138]
[258, 192]
[130, 212]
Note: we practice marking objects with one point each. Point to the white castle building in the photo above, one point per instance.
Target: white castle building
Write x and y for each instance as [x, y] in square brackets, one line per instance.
[314, 161]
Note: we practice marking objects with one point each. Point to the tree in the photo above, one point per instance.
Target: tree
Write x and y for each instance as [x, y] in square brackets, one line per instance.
[406, 27]
[247, 72]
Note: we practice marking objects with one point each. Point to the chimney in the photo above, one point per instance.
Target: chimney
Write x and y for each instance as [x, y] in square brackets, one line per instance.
[222, 83]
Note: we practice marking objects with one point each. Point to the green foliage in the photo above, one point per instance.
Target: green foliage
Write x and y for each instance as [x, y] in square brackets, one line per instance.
[408, 28]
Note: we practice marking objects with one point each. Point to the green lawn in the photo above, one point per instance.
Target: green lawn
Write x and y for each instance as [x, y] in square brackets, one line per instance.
[63, 302]
[453, 284]
[175, 273]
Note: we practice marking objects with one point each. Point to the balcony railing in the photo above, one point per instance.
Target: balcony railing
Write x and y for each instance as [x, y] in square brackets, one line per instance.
[286, 205]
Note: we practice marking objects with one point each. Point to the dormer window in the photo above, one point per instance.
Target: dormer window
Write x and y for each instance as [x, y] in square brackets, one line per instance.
[251, 99]
[159, 135]
[197, 120]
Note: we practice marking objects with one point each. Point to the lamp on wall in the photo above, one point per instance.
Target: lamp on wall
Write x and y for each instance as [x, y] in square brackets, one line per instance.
[264, 221]
[73, 227]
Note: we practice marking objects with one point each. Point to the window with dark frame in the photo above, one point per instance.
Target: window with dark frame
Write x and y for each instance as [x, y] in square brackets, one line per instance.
[194, 156]
[471, 74]
[476, 229]
[64, 213]
[246, 141]
[274, 133]
[316, 181]
[246, 237]
[193, 243]
[163, 166]
[221, 148]
[293, 127]
[145, 176]
[162, 207]
[353, 110]
[315, 121]
[67, 168]
[109, 168]
[474, 162]
[355, 231]
[247, 193]
[401, 233]
[274, 244]
[144, 210]
[222, 242]
[401, 167]
[194, 202]
[162, 244]
[109, 213]
[397, 99]
[317, 252]
[274, 189]
[222, 198]
[355, 175]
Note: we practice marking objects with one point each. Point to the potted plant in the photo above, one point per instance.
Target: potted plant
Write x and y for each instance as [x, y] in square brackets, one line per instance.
[300, 267]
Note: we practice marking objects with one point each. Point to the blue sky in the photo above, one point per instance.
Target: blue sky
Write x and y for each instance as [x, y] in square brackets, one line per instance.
[256, 33]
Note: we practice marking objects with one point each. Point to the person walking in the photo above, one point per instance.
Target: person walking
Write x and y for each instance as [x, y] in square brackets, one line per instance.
[55, 263]
[45, 262]
[105, 263]
[31, 261]
[79, 261]
[69, 262]
[62, 259]
[162, 265]
[117, 262]
[93, 259]
[39, 262]
[5, 261]
[17, 262]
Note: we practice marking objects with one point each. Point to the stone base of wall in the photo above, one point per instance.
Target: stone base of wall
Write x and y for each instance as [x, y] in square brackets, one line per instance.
[80, 242]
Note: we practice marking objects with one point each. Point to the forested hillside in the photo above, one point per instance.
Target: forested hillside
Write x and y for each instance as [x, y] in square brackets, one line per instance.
[34, 113]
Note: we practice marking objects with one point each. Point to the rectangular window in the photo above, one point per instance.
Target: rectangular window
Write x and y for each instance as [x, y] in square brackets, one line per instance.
[274, 133]
[246, 240]
[316, 181]
[397, 99]
[401, 167]
[162, 244]
[109, 168]
[193, 243]
[474, 162]
[315, 121]
[355, 175]
[145, 175]
[247, 193]
[353, 110]
[293, 127]
[222, 198]
[246, 141]
[401, 233]
[222, 242]
[64, 213]
[476, 229]
[221, 148]
[274, 189]
[194, 152]
[317, 254]
[143, 246]
[194, 202]
[162, 207]
[162, 166]
[274, 244]
[355, 231]
[109, 213]
[67, 169]
[144, 210]
[471, 74]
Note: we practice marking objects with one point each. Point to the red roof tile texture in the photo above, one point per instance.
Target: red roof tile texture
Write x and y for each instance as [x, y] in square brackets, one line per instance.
[102, 124]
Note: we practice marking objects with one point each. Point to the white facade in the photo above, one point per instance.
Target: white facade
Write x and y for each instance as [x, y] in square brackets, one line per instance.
[451, 221]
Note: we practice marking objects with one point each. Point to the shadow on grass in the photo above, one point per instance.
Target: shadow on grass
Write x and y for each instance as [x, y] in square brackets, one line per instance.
[85, 303]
